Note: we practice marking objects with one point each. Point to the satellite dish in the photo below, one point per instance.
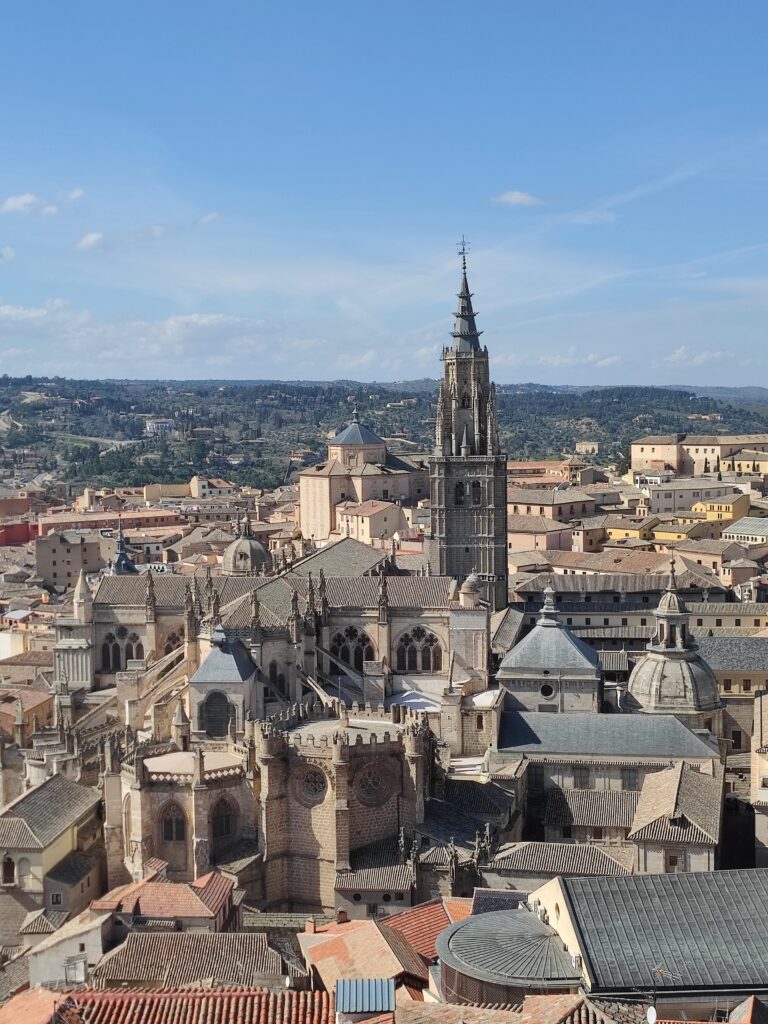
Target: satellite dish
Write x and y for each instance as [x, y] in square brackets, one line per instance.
[651, 1015]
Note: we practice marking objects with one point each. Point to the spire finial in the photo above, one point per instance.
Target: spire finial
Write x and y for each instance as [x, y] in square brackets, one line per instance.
[463, 248]
[355, 413]
[672, 576]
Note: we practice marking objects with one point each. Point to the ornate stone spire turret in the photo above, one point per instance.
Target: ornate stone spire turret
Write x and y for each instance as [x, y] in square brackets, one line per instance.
[383, 600]
[150, 600]
[83, 600]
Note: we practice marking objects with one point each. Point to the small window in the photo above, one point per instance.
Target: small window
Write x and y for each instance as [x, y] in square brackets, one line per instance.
[55, 899]
[582, 777]
[597, 833]
[727, 685]
[479, 723]
[736, 739]
[746, 685]
[567, 832]
[630, 780]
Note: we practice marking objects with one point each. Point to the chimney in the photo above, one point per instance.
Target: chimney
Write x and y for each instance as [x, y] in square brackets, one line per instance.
[342, 917]
[310, 927]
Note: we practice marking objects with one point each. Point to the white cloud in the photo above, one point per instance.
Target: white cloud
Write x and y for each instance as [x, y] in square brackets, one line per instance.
[91, 240]
[27, 202]
[688, 356]
[515, 198]
[73, 195]
[49, 211]
[7, 253]
[208, 218]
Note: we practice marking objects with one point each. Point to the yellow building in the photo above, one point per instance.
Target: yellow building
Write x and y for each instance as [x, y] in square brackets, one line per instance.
[726, 508]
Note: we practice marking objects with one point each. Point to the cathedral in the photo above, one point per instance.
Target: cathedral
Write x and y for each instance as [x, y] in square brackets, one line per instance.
[468, 473]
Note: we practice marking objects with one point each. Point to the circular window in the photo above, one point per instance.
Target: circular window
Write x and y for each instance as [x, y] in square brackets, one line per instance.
[372, 787]
[547, 690]
[357, 897]
[386, 897]
[313, 785]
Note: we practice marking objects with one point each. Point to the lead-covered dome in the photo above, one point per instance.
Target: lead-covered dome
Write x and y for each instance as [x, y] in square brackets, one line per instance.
[245, 555]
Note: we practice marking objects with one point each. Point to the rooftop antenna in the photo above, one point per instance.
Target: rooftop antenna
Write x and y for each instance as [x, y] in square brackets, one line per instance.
[462, 248]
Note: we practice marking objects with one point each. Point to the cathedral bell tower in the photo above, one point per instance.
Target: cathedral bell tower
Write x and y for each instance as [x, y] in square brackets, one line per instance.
[467, 470]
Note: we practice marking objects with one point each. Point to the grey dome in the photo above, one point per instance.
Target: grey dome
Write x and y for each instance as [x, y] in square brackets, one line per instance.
[550, 647]
[245, 555]
[677, 682]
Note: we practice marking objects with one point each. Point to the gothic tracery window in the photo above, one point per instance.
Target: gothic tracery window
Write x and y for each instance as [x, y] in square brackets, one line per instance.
[372, 786]
[223, 822]
[459, 493]
[174, 825]
[111, 656]
[476, 492]
[419, 651]
[353, 647]
[171, 643]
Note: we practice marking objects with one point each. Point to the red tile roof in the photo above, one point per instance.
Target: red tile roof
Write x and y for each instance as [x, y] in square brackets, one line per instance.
[192, 1006]
[361, 949]
[204, 897]
[421, 925]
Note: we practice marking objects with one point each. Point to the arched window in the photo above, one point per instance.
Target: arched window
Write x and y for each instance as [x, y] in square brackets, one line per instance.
[215, 714]
[476, 492]
[106, 657]
[128, 652]
[174, 825]
[117, 661]
[419, 651]
[465, 401]
[223, 823]
[173, 837]
[110, 654]
[127, 826]
[139, 651]
[9, 871]
[24, 872]
[171, 644]
[353, 647]
[273, 672]
[459, 493]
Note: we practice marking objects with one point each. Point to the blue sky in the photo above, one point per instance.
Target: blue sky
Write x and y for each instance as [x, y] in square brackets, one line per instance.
[251, 189]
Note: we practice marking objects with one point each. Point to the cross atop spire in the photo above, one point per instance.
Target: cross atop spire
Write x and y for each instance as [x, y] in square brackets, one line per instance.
[463, 248]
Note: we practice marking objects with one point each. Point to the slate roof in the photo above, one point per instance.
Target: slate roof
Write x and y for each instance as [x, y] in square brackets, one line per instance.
[76, 866]
[679, 806]
[197, 1006]
[477, 798]
[609, 808]
[38, 817]
[616, 582]
[661, 736]
[550, 646]
[185, 958]
[356, 433]
[541, 859]
[486, 900]
[738, 654]
[628, 926]
[508, 946]
[228, 662]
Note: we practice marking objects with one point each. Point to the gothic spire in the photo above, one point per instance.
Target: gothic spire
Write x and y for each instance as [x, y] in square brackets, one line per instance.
[466, 337]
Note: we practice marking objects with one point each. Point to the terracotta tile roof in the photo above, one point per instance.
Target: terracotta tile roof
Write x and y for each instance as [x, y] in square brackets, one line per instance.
[421, 925]
[591, 807]
[361, 949]
[680, 805]
[376, 866]
[204, 897]
[186, 958]
[193, 1006]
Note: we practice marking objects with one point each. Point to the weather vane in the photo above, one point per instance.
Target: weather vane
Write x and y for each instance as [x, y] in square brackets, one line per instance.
[463, 248]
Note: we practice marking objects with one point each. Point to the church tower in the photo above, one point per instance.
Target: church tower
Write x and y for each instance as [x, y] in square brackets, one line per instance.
[468, 473]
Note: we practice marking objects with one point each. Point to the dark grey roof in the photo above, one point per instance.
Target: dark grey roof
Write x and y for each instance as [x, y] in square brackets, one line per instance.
[507, 947]
[485, 901]
[365, 995]
[483, 798]
[170, 589]
[535, 732]
[609, 808]
[356, 433]
[552, 647]
[228, 662]
[75, 866]
[506, 628]
[42, 814]
[613, 661]
[739, 654]
[710, 927]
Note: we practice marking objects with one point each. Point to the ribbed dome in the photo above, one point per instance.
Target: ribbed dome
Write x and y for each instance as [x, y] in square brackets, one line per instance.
[677, 682]
[245, 555]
